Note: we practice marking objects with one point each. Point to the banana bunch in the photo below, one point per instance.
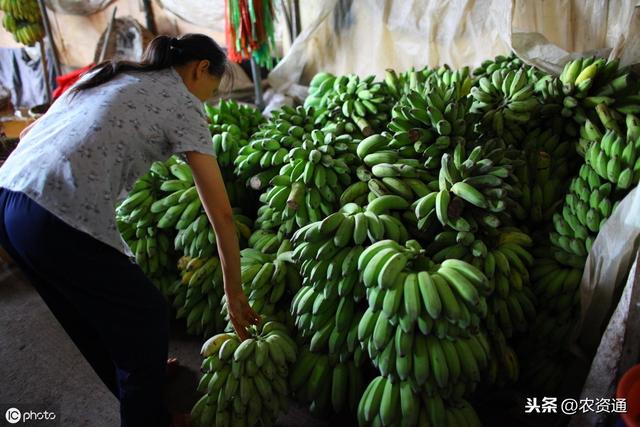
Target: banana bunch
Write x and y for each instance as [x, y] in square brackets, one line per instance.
[182, 204]
[544, 372]
[22, 19]
[555, 283]
[268, 279]
[399, 84]
[226, 146]
[327, 309]
[328, 323]
[268, 148]
[505, 262]
[449, 366]
[586, 83]
[320, 90]
[556, 287]
[326, 383]
[229, 116]
[231, 125]
[508, 63]
[543, 175]
[473, 191]
[433, 117]
[586, 207]
[153, 252]
[196, 295]
[614, 157]
[397, 403]
[506, 102]
[308, 186]
[137, 222]
[198, 239]
[411, 298]
[511, 314]
[504, 364]
[245, 382]
[181, 209]
[388, 170]
[361, 102]
[135, 209]
[512, 304]
[440, 105]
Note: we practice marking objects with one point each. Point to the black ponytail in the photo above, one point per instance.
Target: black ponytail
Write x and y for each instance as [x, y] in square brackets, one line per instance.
[163, 52]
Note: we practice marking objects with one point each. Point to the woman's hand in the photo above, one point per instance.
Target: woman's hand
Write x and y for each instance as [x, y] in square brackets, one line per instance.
[240, 313]
[208, 180]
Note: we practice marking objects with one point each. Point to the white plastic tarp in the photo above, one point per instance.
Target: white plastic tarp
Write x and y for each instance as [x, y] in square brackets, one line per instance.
[208, 14]
[368, 36]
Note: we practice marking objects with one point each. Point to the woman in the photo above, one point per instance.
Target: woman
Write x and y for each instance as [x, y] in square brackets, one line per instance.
[59, 191]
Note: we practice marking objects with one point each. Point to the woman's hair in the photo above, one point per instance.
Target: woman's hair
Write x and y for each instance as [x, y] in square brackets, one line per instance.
[163, 52]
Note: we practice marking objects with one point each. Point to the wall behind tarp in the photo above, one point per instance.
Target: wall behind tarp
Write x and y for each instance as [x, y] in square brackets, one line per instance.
[76, 36]
[367, 36]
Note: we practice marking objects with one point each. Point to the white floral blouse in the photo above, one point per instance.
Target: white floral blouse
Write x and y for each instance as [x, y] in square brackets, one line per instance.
[84, 155]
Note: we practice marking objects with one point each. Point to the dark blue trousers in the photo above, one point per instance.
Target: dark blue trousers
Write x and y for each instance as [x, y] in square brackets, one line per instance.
[109, 308]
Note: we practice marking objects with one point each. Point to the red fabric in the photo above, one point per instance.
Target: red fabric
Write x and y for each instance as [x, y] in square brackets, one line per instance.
[67, 80]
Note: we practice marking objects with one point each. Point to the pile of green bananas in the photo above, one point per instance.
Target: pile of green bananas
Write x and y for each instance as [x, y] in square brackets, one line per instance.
[269, 147]
[245, 382]
[308, 185]
[196, 294]
[350, 100]
[22, 19]
[439, 222]
[394, 403]
[473, 192]
[326, 383]
[506, 102]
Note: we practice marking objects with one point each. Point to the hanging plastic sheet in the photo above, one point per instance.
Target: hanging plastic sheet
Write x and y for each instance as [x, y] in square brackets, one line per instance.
[209, 14]
[77, 7]
[368, 36]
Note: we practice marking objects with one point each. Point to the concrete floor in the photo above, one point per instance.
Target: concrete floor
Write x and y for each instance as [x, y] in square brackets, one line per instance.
[40, 365]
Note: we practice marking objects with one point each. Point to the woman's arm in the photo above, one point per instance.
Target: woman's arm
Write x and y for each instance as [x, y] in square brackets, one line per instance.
[208, 180]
